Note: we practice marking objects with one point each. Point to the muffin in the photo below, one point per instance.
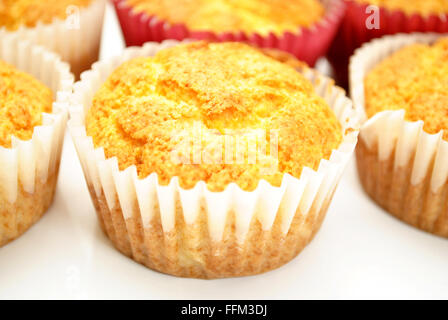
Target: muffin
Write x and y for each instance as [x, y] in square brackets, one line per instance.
[394, 16]
[72, 28]
[221, 16]
[210, 160]
[304, 28]
[401, 82]
[31, 132]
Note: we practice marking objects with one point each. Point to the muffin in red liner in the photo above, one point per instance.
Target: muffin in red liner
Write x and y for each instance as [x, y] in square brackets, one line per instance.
[353, 31]
[307, 44]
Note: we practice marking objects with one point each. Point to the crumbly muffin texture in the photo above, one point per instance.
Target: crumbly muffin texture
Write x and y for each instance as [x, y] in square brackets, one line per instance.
[422, 7]
[23, 99]
[187, 111]
[414, 78]
[260, 16]
[16, 13]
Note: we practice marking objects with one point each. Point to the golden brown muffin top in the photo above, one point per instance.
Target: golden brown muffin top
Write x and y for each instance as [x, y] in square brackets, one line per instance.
[22, 101]
[414, 78]
[15, 13]
[203, 96]
[422, 7]
[251, 16]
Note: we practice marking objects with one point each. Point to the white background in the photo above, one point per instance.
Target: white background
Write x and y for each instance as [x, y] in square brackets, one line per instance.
[360, 252]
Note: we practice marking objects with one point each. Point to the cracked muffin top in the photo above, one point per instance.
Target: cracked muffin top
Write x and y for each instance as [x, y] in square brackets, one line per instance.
[415, 79]
[23, 99]
[251, 16]
[216, 112]
[422, 7]
[16, 13]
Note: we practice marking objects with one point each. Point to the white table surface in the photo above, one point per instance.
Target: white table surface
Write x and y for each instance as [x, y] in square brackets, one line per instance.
[360, 252]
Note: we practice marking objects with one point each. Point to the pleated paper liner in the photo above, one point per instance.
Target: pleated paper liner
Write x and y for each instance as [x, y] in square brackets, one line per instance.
[29, 169]
[401, 167]
[307, 44]
[76, 39]
[353, 31]
[198, 233]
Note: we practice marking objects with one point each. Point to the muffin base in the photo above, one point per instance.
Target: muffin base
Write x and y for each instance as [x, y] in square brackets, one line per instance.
[16, 218]
[189, 251]
[391, 188]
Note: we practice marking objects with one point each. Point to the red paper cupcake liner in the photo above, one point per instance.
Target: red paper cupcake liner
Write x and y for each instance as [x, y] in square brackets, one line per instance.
[308, 44]
[353, 31]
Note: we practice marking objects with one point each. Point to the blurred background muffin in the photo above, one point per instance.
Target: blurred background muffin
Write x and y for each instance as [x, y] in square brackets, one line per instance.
[222, 16]
[368, 19]
[304, 28]
[72, 28]
[27, 13]
[420, 7]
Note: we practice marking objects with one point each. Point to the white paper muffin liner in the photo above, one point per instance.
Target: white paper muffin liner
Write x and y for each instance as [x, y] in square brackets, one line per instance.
[402, 167]
[217, 228]
[28, 170]
[76, 39]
